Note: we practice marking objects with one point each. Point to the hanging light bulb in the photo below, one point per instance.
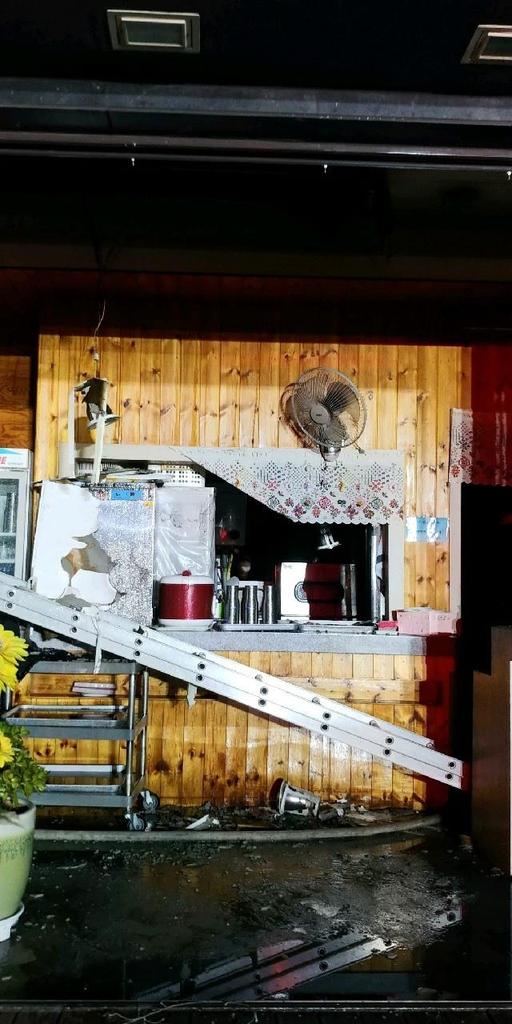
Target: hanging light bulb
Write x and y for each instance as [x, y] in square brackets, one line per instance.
[327, 541]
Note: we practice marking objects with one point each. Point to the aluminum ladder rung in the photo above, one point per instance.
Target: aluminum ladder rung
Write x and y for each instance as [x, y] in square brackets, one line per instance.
[259, 691]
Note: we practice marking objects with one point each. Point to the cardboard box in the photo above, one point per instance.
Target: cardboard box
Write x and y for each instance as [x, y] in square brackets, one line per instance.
[414, 621]
[443, 622]
[425, 621]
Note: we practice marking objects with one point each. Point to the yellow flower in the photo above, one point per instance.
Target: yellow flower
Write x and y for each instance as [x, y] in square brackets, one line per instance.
[8, 675]
[12, 648]
[6, 751]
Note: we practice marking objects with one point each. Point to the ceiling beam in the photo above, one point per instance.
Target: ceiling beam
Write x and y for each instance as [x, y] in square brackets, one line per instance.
[253, 125]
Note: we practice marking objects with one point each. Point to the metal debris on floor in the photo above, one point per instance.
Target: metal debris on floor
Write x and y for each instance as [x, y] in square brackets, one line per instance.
[273, 971]
[142, 917]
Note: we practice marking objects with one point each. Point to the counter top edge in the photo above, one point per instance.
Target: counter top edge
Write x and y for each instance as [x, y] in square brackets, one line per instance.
[215, 640]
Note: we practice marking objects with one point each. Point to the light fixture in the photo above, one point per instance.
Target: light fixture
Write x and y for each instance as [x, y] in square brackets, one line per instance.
[490, 44]
[154, 30]
[327, 541]
[99, 416]
[288, 799]
[95, 392]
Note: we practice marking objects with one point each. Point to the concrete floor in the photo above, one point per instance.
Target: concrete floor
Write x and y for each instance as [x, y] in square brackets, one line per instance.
[130, 919]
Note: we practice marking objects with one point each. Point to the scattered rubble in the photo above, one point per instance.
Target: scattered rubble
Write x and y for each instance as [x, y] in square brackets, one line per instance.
[341, 814]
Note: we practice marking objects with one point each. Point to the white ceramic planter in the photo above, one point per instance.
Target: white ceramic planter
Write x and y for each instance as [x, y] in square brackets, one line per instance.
[16, 844]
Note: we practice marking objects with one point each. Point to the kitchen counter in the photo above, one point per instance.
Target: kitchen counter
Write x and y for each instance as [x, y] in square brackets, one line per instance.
[320, 643]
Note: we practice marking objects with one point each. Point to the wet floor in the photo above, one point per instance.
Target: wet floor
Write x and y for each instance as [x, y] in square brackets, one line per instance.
[157, 921]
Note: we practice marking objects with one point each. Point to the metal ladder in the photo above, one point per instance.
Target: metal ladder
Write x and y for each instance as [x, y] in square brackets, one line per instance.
[249, 687]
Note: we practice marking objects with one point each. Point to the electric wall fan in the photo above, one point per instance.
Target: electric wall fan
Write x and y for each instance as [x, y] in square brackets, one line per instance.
[326, 411]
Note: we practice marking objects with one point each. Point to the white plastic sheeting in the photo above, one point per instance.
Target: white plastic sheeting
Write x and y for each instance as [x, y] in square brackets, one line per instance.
[185, 531]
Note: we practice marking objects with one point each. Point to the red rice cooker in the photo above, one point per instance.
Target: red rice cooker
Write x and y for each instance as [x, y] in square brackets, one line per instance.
[185, 600]
[323, 589]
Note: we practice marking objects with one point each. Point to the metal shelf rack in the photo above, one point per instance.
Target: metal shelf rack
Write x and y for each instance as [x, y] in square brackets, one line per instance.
[95, 785]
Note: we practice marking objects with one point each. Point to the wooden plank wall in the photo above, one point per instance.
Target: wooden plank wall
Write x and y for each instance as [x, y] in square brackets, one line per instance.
[224, 389]
[16, 400]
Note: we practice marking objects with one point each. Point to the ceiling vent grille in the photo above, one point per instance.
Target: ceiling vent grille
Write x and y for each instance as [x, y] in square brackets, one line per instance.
[490, 44]
[154, 30]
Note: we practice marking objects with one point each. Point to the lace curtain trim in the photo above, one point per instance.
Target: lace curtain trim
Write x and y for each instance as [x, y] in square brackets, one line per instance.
[480, 448]
[358, 488]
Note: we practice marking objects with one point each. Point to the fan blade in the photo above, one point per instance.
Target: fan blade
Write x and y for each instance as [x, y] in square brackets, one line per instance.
[339, 397]
[337, 433]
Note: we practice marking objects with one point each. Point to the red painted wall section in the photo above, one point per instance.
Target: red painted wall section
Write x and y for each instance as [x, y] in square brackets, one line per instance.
[491, 378]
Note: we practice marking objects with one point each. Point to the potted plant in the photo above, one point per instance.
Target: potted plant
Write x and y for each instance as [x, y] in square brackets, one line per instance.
[20, 776]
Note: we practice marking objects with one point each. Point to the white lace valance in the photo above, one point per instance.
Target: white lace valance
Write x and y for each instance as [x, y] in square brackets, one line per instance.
[358, 488]
[480, 448]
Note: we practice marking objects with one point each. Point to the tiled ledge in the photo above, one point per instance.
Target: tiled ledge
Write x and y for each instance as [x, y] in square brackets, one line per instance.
[329, 643]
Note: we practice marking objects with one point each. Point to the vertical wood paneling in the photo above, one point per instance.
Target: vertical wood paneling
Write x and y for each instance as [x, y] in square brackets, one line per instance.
[426, 463]
[229, 397]
[347, 361]
[16, 402]
[214, 781]
[170, 391]
[194, 741]
[156, 771]
[208, 393]
[289, 371]
[47, 409]
[309, 356]
[249, 394]
[330, 355]
[129, 390]
[150, 392]
[386, 403]
[465, 377]
[269, 395]
[67, 364]
[173, 753]
[226, 390]
[368, 383]
[190, 372]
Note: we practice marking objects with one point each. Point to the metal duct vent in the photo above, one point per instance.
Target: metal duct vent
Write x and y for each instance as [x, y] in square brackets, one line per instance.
[154, 30]
[490, 44]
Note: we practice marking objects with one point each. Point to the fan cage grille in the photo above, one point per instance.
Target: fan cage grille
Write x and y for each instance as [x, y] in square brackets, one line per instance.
[335, 392]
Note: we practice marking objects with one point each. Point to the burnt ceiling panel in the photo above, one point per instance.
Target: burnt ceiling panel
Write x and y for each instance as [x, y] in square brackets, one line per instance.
[342, 138]
[340, 44]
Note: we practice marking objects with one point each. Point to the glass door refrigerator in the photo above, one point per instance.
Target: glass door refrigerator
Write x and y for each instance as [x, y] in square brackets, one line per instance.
[15, 510]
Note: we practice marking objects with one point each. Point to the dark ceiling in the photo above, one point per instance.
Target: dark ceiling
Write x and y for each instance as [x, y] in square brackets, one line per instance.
[340, 44]
[301, 78]
[341, 139]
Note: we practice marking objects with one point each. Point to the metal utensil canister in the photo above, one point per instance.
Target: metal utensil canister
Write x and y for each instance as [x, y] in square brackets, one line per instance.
[232, 611]
[250, 610]
[270, 606]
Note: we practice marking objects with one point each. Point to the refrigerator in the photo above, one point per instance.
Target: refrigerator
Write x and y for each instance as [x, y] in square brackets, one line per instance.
[15, 510]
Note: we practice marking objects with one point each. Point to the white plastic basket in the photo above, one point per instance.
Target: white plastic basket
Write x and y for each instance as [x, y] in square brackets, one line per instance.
[178, 474]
